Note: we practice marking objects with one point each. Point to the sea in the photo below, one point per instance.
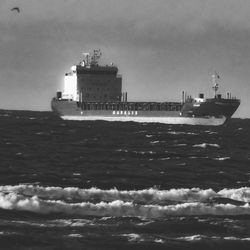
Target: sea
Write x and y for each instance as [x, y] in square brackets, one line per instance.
[122, 185]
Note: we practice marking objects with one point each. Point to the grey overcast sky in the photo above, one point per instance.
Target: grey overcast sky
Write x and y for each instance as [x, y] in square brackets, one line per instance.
[160, 46]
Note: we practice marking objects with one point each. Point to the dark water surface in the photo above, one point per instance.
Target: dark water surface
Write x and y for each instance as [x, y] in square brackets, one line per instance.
[110, 185]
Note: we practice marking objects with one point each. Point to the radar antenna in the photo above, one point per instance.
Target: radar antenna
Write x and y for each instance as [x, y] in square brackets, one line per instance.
[96, 56]
[215, 78]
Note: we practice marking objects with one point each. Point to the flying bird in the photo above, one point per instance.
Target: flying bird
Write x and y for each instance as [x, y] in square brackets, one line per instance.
[17, 9]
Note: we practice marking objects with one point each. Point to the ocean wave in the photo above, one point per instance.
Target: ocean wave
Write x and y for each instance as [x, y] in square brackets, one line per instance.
[147, 203]
[240, 194]
[74, 235]
[210, 132]
[133, 237]
[148, 196]
[221, 158]
[206, 145]
[144, 152]
[136, 152]
[181, 133]
[199, 237]
[164, 158]
[154, 142]
[117, 208]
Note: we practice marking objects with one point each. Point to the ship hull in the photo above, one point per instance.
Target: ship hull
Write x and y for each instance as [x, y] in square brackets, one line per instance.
[206, 121]
[69, 110]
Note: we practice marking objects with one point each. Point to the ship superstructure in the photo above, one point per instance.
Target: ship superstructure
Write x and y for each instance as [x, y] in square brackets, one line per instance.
[94, 92]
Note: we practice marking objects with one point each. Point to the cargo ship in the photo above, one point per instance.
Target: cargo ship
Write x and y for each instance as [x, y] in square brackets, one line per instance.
[94, 92]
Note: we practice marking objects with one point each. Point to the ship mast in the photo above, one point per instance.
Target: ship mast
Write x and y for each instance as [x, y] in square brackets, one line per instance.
[86, 55]
[93, 60]
[215, 87]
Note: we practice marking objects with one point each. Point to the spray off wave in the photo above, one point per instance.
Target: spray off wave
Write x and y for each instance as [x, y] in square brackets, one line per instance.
[147, 203]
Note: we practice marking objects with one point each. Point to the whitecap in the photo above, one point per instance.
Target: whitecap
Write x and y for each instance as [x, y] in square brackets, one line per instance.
[76, 174]
[240, 194]
[35, 196]
[133, 237]
[191, 238]
[164, 158]
[181, 133]
[154, 142]
[40, 133]
[145, 195]
[205, 145]
[118, 208]
[222, 158]
[122, 150]
[144, 152]
[159, 241]
[210, 132]
[75, 235]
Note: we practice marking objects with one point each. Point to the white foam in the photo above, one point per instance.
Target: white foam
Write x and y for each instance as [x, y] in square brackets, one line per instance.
[191, 238]
[76, 174]
[210, 132]
[113, 202]
[181, 133]
[205, 145]
[145, 196]
[41, 133]
[201, 237]
[75, 235]
[122, 150]
[222, 158]
[236, 238]
[241, 194]
[117, 208]
[144, 152]
[159, 241]
[164, 158]
[154, 142]
[133, 237]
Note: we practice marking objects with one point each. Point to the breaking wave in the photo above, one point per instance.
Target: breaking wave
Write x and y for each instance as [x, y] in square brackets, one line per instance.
[148, 203]
[140, 196]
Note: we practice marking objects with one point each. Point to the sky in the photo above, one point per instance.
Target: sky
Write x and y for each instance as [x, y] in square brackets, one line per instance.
[161, 47]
